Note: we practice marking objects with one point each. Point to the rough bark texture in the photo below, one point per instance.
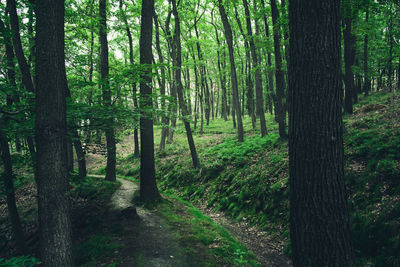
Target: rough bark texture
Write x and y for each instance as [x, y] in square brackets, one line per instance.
[148, 186]
[105, 85]
[280, 109]
[51, 136]
[179, 87]
[319, 220]
[235, 91]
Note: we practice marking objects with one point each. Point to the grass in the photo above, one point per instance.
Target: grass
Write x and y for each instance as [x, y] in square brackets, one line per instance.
[250, 179]
[202, 237]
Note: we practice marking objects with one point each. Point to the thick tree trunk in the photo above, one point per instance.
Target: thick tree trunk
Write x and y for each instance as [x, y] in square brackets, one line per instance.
[319, 220]
[105, 85]
[10, 192]
[51, 132]
[148, 186]
[235, 91]
[280, 109]
[257, 72]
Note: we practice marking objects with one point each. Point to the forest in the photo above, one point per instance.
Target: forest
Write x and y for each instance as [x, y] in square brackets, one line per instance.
[199, 133]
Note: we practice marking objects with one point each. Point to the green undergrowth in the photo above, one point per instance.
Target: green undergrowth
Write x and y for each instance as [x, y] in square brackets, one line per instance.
[93, 237]
[372, 145]
[205, 243]
[249, 180]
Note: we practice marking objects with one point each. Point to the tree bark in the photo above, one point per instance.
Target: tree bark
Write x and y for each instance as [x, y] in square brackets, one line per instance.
[148, 186]
[105, 85]
[280, 109]
[235, 91]
[319, 220]
[51, 132]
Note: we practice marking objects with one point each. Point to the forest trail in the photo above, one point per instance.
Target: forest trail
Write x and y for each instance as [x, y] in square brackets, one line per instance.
[268, 250]
[147, 241]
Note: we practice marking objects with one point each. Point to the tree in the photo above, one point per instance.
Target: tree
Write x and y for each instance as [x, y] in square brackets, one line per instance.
[50, 133]
[105, 84]
[319, 220]
[7, 176]
[235, 90]
[148, 186]
[177, 76]
[280, 110]
[258, 77]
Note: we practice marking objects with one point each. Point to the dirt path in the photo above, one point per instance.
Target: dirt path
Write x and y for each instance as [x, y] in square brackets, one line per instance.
[149, 241]
[267, 250]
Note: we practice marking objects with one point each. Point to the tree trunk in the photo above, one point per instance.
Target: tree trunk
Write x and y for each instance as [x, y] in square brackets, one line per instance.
[348, 57]
[131, 61]
[177, 67]
[270, 73]
[164, 119]
[367, 82]
[23, 65]
[51, 132]
[105, 85]
[10, 192]
[257, 72]
[235, 91]
[148, 186]
[319, 220]
[249, 82]
[280, 82]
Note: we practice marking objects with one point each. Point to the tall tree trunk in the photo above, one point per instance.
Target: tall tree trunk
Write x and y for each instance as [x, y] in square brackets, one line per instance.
[319, 219]
[172, 106]
[203, 78]
[51, 132]
[249, 82]
[105, 85]
[148, 186]
[257, 72]
[222, 82]
[348, 57]
[367, 82]
[235, 91]
[10, 192]
[177, 77]
[131, 61]
[280, 109]
[164, 119]
[270, 73]
[23, 65]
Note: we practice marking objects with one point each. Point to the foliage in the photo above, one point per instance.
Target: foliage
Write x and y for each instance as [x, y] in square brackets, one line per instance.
[21, 261]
